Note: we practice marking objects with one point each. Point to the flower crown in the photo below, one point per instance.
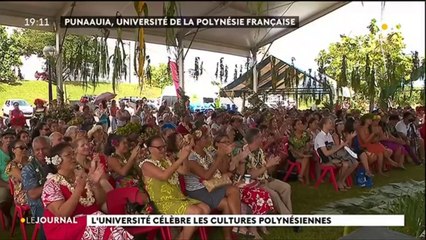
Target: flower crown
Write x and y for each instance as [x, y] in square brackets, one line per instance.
[114, 142]
[55, 160]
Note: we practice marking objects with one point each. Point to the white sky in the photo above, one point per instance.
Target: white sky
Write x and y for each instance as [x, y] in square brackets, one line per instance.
[305, 43]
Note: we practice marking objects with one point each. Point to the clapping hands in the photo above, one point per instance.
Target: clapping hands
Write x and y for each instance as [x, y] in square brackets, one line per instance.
[273, 161]
[96, 171]
[80, 181]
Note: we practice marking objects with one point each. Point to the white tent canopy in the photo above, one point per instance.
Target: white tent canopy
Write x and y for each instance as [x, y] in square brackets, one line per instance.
[230, 41]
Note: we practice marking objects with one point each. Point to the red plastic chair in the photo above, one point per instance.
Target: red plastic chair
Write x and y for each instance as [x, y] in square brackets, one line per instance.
[202, 230]
[326, 169]
[116, 203]
[35, 233]
[20, 211]
[291, 166]
[3, 224]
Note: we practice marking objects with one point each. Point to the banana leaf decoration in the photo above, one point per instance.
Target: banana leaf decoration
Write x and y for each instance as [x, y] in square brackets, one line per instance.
[274, 74]
[141, 8]
[170, 10]
[118, 60]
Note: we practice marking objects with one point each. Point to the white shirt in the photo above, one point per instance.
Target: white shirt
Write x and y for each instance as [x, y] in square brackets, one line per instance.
[321, 139]
[402, 127]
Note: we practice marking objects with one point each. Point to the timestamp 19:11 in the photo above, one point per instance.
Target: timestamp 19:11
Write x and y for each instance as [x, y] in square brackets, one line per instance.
[40, 22]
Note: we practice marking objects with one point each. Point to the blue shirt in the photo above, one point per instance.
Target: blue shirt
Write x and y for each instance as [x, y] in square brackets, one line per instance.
[34, 175]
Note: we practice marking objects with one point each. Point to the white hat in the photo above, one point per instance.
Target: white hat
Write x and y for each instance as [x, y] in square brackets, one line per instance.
[94, 129]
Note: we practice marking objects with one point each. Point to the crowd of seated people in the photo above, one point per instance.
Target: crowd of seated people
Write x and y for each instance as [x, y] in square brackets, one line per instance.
[68, 170]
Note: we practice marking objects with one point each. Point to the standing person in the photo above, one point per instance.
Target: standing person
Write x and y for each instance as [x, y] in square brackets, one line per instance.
[113, 115]
[88, 119]
[103, 115]
[17, 118]
[39, 110]
[5, 198]
[34, 176]
[123, 116]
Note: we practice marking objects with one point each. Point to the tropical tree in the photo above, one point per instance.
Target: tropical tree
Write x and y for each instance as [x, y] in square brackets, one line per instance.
[10, 52]
[160, 77]
[85, 59]
[374, 65]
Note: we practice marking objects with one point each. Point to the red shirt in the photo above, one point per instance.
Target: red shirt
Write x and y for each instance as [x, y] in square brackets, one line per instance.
[183, 130]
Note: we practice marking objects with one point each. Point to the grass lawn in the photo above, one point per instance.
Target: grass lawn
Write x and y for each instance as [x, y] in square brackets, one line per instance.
[307, 199]
[30, 90]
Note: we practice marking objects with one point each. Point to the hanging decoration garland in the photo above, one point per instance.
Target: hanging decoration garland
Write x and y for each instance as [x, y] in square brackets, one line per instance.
[139, 59]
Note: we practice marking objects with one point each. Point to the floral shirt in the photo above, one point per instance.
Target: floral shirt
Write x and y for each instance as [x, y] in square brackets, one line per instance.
[18, 193]
[254, 160]
[299, 143]
[132, 178]
[33, 176]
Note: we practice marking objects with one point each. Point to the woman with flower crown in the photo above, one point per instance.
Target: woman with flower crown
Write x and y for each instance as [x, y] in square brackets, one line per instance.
[162, 183]
[71, 193]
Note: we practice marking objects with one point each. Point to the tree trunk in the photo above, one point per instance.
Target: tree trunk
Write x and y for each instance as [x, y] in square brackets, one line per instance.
[371, 103]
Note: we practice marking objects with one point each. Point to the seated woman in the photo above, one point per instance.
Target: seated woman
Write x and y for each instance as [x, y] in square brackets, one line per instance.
[84, 158]
[331, 153]
[162, 183]
[301, 149]
[389, 141]
[258, 200]
[121, 165]
[370, 141]
[19, 155]
[366, 158]
[203, 165]
[70, 194]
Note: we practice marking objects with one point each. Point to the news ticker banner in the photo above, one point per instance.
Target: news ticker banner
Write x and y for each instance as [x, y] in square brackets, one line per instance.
[246, 220]
[180, 22]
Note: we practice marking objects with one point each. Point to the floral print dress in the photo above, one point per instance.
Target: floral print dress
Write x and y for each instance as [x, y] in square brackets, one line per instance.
[56, 189]
[167, 195]
[132, 178]
[18, 194]
[258, 199]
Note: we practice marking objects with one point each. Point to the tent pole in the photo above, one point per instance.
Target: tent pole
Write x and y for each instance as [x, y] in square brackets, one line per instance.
[244, 102]
[254, 60]
[59, 80]
[181, 61]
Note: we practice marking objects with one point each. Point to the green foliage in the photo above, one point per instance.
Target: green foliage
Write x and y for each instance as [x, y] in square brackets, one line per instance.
[160, 77]
[383, 74]
[10, 52]
[129, 128]
[64, 113]
[85, 58]
[413, 207]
